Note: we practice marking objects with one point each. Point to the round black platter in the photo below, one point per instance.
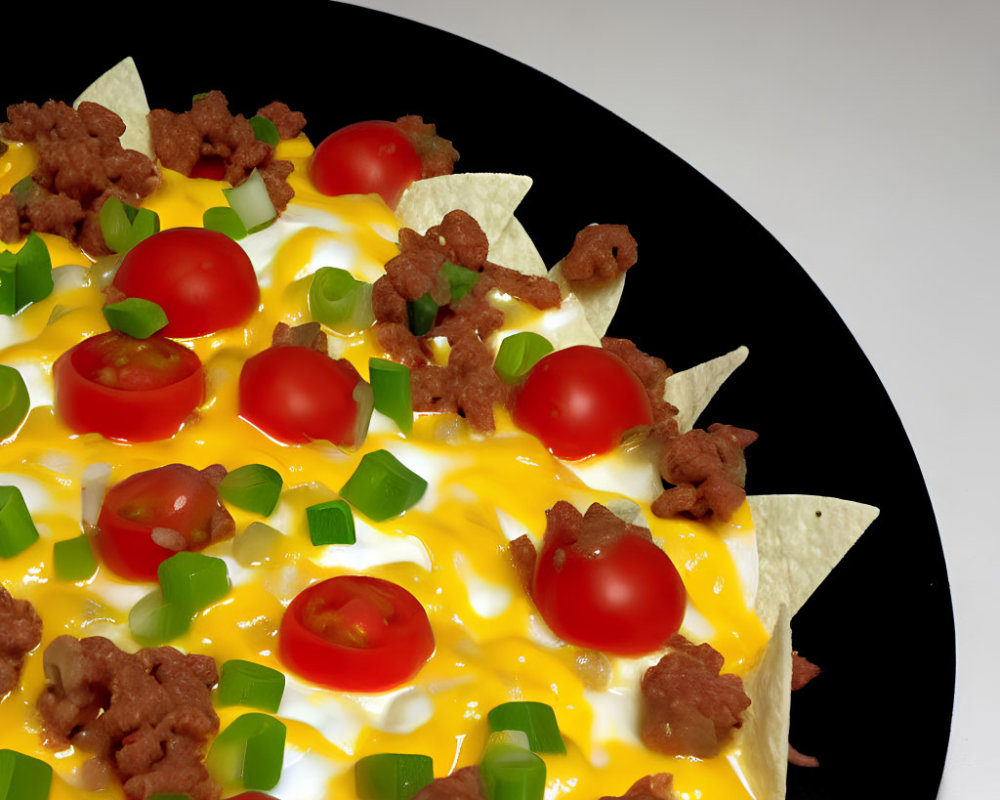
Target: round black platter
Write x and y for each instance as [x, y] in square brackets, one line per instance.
[709, 278]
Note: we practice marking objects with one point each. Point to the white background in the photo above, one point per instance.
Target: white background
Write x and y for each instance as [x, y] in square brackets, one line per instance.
[865, 136]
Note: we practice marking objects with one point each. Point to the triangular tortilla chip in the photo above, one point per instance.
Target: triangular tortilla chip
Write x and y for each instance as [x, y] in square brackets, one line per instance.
[765, 722]
[600, 302]
[800, 539]
[490, 197]
[120, 89]
[515, 250]
[691, 390]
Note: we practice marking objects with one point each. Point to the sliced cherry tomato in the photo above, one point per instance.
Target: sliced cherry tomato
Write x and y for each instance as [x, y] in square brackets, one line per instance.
[580, 401]
[175, 497]
[627, 600]
[355, 633]
[202, 279]
[137, 390]
[365, 158]
[297, 394]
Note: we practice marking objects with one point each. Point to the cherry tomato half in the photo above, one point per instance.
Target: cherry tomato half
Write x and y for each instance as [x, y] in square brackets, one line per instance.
[202, 279]
[580, 401]
[137, 390]
[626, 600]
[363, 158]
[297, 394]
[176, 496]
[355, 633]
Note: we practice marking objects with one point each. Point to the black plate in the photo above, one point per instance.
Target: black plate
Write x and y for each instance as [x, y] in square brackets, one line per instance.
[709, 279]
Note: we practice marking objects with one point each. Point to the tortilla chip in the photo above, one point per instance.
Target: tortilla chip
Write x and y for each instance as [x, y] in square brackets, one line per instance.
[600, 302]
[120, 89]
[766, 721]
[691, 390]
[515, 250]
[490, 197]
[800, 539]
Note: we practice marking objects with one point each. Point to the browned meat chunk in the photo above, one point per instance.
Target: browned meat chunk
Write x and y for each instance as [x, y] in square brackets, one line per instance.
[600, 253]
[588, 534]
[803, 671]
[22, 631]
[463, 784]
[289, 123]
[437, 156]
[688, 708]
[80, 164]
[652, 373]
[524, 556]
[800, 760]
[659, 786]
[708, 469]
[148, 715]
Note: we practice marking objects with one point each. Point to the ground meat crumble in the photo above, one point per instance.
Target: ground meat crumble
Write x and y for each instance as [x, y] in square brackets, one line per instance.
[437, 155]
[22, 629]
[147, 715]
[600, 253]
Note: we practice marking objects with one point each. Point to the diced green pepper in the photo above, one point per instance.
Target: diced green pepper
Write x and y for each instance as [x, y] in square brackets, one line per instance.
[382, 487]
[518, 353]
[73, 559]
[264, 130]
[245, 683]
[536, 720]
[253, 487]
[193, 581]
[34, 272]
[136, 316]
[14, 400]
[153, 621]
[391, 388]
[421, 314]
[340, 301]
[331, 523]
[510, 770]
[249, 753]
[224, 219]
[460, 279]
[392, 776]
[23, 777]
[17, 529]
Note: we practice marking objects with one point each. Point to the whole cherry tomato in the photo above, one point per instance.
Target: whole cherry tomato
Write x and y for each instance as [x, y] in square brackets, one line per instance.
[580, 401]
[202, 279]
[365, 158]
[626, 599]
[177, 498]
[297, 394]
[355, 633]
[137, 390]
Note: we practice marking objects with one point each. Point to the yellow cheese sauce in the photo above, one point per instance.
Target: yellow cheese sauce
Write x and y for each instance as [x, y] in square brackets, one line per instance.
[450, 550]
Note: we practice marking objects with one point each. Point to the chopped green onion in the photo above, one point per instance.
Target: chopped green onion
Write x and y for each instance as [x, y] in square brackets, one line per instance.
[392, 776]
[536, 720]
[23, 777]
[8, 283]
[518, 353]
[199, 96]
[256, 544]
[73, 559]
[421, 314]
[14, 400]
[245, 683]
[340, 301]
[253, 487]
[460, 279]
[248, 753]
[252, 202]
[155, 622]
[224, 219]
[331, 523]
[34, 272]
[193, 581]
[17, 529]
[391, 387]
[124, 226]
[381, 487]
[510, 770]
[264, 130]
[136, 316]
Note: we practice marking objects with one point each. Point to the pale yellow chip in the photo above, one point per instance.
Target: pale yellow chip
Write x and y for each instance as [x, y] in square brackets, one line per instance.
[515, 250]
[800, 539]
[600, 301]
[691, 390]
[120, 89]
[765, 723]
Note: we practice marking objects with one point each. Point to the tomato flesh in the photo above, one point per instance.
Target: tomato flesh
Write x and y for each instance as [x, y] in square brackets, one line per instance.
[297, 394]
[136, 390]
[175, 496]
[580, 401]
[365, 158]
[355, 633]
[202, 279]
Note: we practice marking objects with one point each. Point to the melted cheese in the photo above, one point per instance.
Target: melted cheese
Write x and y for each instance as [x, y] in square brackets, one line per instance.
[449, 550]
